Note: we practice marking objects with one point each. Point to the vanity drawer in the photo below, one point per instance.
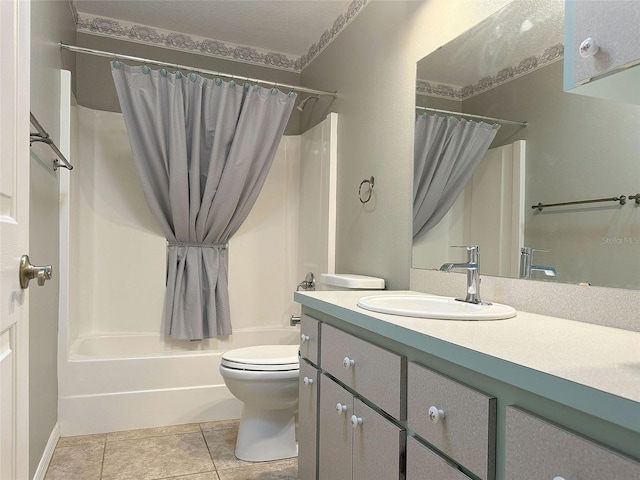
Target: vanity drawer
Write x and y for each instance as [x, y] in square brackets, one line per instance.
[421, 460]
[309, 338]
[372, 371]
[466, 432]
[537, 449]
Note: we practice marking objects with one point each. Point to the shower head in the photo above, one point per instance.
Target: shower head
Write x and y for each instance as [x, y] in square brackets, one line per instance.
[304, 102]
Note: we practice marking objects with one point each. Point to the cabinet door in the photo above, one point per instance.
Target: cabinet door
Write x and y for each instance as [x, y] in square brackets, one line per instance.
[334, 441]
[424, 464]
[613, 26]
[378, 445]
[536, 449]
[308, 422]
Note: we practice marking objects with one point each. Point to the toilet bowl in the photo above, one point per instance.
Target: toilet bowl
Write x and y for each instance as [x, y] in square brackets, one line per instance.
[265, 379]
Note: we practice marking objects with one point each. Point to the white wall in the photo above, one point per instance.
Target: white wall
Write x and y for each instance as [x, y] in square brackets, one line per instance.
[118, 273]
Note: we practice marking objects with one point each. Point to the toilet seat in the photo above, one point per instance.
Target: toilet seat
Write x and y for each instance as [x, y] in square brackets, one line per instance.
[262, 358]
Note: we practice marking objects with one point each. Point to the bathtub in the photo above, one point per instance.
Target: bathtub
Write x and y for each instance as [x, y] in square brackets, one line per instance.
[123, 382]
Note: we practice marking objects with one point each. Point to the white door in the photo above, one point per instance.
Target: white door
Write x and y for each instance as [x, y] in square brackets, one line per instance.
[14, 238]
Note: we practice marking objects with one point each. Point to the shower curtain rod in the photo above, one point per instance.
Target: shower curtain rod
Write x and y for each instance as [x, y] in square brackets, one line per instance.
[117, 56]
[482, 117]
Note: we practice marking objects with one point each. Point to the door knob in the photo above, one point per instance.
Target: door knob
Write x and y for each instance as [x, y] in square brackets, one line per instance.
[29, 272]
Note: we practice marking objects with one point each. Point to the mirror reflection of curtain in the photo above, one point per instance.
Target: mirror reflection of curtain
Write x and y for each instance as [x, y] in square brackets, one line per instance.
[447, 151]
[203, 149]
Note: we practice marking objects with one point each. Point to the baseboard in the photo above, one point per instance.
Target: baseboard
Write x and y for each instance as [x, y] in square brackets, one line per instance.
[48, 453]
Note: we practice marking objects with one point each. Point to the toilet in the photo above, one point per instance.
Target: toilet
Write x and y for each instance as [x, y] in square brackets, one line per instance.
[265, 378]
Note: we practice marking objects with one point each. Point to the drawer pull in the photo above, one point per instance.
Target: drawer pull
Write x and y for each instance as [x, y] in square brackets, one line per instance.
[340, 408]
[588, 48]
[355, 421]
[304, 338]
[558, 478]
[348, 362]
[308, 381]
[435, 414]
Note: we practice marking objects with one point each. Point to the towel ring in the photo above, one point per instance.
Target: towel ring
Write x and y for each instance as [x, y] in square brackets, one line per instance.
[368, 181]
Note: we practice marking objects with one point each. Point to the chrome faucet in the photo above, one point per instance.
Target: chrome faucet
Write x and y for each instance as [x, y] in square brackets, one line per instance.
[526, 266]
[473, 273]
[309, 283]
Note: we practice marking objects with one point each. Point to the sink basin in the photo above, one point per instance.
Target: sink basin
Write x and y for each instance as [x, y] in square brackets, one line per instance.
[441, 308]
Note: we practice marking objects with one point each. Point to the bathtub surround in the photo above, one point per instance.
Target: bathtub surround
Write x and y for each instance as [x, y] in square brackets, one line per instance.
[201, 180]
[116, 370]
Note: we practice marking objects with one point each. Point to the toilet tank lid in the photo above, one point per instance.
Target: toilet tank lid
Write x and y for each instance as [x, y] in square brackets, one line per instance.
[349, 280]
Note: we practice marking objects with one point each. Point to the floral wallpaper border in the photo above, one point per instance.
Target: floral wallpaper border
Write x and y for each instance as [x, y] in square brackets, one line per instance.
[207, 46]
[551, 54]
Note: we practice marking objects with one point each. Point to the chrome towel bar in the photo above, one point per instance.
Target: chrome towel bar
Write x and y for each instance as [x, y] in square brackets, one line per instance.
[42, 136]
[622, 199]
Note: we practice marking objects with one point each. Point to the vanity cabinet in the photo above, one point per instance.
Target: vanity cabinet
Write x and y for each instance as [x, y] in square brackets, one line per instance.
[612, 28]
[459, 421]
[361, 399]
[536, 449]
[508, 407]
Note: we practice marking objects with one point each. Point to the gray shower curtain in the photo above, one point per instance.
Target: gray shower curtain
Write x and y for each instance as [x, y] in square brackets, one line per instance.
[447, 150]
[202, 148]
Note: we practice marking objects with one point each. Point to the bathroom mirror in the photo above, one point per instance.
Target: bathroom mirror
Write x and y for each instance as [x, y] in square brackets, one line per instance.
[575, 148]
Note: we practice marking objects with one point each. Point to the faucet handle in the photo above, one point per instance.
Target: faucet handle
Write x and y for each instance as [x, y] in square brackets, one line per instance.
[473, 252]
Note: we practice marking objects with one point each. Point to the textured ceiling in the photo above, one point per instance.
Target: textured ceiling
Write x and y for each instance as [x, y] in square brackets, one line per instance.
[284, 26]
[521, 30]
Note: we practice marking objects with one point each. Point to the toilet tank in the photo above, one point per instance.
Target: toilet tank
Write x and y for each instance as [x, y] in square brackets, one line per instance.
[349, 281]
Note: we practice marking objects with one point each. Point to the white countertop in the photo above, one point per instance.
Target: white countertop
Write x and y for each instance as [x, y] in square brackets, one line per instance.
[601, 358]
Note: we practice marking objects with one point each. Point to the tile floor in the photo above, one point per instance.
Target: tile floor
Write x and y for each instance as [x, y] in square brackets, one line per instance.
[184, 452]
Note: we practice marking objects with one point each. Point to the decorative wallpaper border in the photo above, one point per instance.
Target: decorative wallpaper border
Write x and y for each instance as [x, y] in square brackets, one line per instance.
[207, 46]
[550, 55]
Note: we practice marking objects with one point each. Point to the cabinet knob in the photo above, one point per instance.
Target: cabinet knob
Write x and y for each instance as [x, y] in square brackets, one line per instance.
[355, 421]
[304, 338]
[348, 362]
[435, 414]
[340, 408]
[588, 48]
[558, 478]
[308, 381]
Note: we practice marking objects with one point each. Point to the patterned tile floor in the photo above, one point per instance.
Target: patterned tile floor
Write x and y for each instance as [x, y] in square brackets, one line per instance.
[184, 452]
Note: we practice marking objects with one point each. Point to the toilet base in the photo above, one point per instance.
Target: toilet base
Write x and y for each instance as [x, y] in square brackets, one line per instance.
[265, 435]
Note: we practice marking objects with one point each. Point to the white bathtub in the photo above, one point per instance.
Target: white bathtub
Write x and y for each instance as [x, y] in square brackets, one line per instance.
[123, 382]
